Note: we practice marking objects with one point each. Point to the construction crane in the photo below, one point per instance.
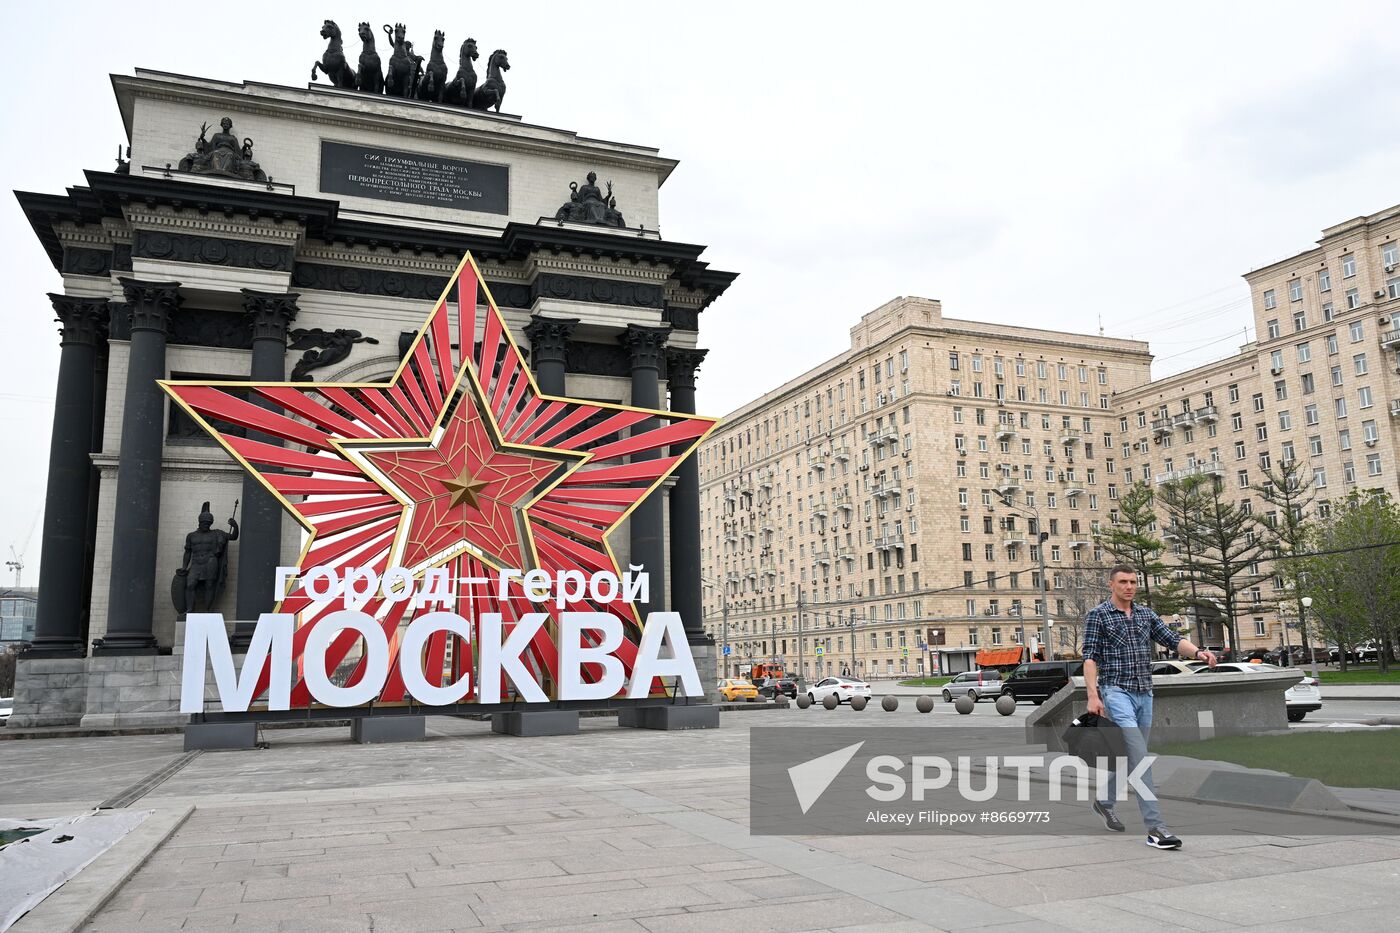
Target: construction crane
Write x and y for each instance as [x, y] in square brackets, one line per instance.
[16, 561]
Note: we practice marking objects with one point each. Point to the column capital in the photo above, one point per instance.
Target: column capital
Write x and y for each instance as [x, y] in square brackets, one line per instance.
[151, 303]
[549, 337]
[84, 320]
[647, 345]
[681, 363]
[269, 313]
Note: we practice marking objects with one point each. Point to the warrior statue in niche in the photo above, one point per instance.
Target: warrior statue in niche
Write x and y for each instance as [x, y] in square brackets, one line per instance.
[201, 578]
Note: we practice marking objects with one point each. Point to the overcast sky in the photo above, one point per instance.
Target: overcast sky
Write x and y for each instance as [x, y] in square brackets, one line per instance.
[1055, 165]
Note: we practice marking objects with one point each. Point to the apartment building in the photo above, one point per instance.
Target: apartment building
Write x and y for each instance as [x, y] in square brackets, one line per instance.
[890, 501]
[1319, 387]
[857, 518]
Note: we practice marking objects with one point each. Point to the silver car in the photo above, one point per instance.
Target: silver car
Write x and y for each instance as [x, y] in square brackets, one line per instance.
[976, 684]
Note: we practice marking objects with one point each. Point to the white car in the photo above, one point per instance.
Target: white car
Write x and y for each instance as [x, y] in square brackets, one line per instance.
[843, 688]
[976, 684]
[7, 706]
[1302, 698]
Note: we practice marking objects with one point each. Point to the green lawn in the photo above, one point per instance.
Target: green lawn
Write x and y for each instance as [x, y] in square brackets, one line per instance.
[925, 682]
[1355, 675]
[1340, 759]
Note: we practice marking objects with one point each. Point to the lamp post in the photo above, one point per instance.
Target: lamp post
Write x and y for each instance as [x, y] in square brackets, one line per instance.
[724, 621]
[1312, 651]
[1041, 538]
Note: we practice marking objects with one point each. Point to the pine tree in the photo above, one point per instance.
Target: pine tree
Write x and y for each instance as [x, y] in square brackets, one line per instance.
[1132, 540]
[1217, 543]
[1288, 496]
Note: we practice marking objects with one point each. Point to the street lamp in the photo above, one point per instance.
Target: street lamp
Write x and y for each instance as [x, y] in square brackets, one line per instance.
[1312, 651]
[724, 616]
[1041, 538]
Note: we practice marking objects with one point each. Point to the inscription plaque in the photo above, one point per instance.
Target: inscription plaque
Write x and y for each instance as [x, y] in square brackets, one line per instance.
[414, 178]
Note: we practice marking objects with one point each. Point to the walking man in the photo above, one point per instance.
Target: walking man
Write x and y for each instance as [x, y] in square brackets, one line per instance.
[1118, 637]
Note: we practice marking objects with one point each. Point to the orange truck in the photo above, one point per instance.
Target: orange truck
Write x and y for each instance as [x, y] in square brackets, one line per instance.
[761, 671]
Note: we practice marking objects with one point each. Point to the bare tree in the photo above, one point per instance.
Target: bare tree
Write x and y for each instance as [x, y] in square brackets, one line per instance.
[1082, 587]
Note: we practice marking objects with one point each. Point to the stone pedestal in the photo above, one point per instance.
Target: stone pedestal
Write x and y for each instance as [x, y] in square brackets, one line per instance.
[125, 691]
[670, 717]
[371, 730]
[706, 655]
[201, 736]
[49, 692]
[536, 722]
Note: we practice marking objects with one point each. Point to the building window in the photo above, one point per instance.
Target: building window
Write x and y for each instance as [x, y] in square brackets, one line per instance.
[1353, 300]
[1359, 364]
[1392, 287]
[1310, 415]
[1368, 431]
[1300, 319]
[1285, 420]
[1344, 438]
[1327, 312]
[1373, 464]
[1273, 329]
[1259, 401]
[1363, 396]
[1270, 300]
[1295, 290]
[1348, 473]
[1324, 280]
[1348, 265]
[1336, 375]
[1390, 253]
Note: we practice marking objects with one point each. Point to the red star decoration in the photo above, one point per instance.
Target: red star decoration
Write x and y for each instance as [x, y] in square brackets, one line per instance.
[383, 475]
[464, 492]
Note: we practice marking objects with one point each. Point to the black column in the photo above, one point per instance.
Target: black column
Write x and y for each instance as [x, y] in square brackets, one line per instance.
[260, 535]
[549, 343]
[63, 560]
[131, 596]
[685, 500]
[647, 346]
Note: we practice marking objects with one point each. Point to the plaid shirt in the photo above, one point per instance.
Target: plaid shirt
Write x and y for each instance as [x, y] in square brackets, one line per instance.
[1121, 644]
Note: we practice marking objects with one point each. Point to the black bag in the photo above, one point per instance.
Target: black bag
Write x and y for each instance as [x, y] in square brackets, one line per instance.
[1091, 737]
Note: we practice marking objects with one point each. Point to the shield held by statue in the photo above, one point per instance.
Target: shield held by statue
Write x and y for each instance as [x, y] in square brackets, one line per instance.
[204, 600]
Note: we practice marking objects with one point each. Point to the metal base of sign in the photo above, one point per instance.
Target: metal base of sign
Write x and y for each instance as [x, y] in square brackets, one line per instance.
[536, 722]
[209, 735]
[371, 730]
[698, 716]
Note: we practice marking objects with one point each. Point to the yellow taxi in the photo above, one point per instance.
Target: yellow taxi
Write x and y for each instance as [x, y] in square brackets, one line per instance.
[732, 689]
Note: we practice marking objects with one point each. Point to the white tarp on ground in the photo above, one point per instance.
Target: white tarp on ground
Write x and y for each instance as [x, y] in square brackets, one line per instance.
[33, 868]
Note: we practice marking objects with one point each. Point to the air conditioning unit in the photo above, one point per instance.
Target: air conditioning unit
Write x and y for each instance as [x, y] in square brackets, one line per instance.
[1385, 320]
[904, 454]
[1370, 442]
[1390, 268]
[1276, 370]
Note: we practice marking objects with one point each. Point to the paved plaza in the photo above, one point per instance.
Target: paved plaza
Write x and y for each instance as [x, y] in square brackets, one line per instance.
[617, 829]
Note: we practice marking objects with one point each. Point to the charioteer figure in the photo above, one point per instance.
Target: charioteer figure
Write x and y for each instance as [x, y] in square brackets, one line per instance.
[201, 578]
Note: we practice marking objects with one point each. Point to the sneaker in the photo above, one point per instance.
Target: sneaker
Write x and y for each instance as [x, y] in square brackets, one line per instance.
[1160, 837]
[1110, 819]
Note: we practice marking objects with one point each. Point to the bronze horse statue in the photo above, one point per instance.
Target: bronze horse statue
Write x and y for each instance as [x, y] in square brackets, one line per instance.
[434, 81]
[463, 85]
[332, 62]
[371, 76]
[399, 81]
[493, 92]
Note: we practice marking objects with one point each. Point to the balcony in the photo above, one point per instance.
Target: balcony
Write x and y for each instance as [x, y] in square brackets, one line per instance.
[765, 482]
[1078, 542]
[1073, 488]
[883, 436]
[732, 576]
[745, 488]
[1204, 468]
[841, 454]
[1071, 436]
[1161, 427]
[817, 461]
[731, 536]
[750, 533]
[731, 494]
[890, 543]
[882, 489]
[1007, 432]
[823, 558]
[1391, 338]
[819, 510]
[843, 501]
[1013, 538]
[846, 554]
[1207, 415]
[767, 527]
[1007, 485]
[1395, 408]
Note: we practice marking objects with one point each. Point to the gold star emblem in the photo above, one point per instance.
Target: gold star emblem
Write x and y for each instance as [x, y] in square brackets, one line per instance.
[465, 488]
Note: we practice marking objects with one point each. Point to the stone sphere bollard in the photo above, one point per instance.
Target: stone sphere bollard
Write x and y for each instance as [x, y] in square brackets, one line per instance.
[965, 705]
[781, 701]
[889, 704]
[831, 701]
[858, 703]
[924, 704]
[1006, 705]
[803, 701]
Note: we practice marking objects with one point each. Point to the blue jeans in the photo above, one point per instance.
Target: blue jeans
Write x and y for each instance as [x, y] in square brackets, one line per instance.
[1132, 712]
